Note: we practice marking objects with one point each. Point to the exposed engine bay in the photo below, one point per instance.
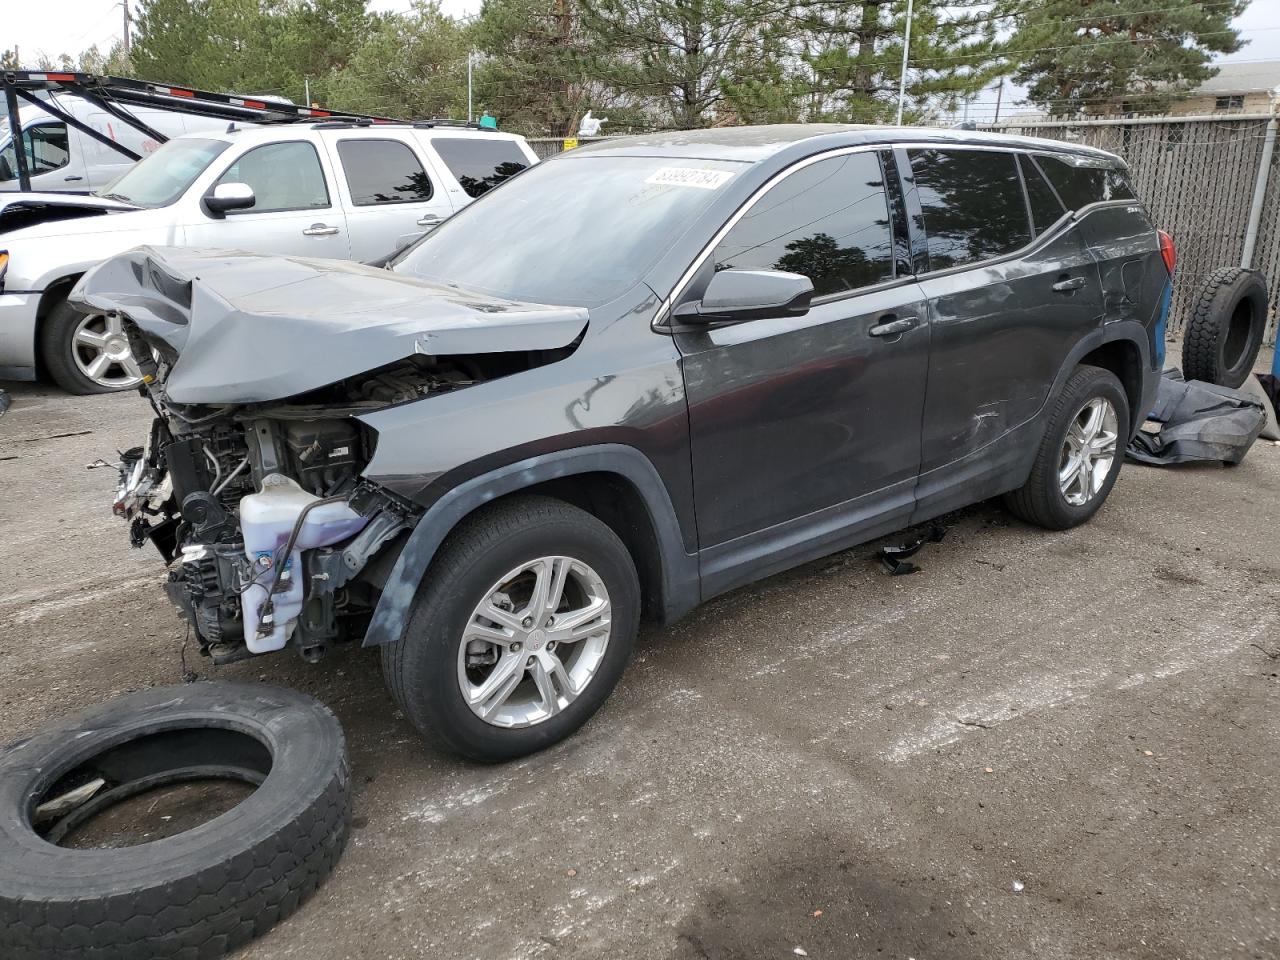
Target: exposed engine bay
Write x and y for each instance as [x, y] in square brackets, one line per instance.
[271, 536]
[261, 371]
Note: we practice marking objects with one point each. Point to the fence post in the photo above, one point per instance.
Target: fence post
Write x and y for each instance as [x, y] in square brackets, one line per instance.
[1260, 188]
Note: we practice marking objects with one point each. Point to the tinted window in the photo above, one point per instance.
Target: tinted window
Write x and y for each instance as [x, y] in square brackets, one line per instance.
[972, 205]
[1046, 210]
[383, 171]
[284, 176]
[574, 230]
[161, 178]
[1079, 186]
[828, 221]
[480, 165]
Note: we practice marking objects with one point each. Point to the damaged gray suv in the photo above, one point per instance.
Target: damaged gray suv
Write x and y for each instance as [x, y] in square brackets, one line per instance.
[627, 380]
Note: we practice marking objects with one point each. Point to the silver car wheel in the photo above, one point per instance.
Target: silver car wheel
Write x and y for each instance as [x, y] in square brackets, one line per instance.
[101, 351]
[534, 642]
[1089, 451]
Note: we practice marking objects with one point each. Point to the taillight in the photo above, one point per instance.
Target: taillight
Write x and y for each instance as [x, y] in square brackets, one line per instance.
[1167, 251]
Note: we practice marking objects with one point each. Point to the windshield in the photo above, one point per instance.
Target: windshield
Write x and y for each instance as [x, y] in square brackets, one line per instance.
[160, 179]
[578, 231]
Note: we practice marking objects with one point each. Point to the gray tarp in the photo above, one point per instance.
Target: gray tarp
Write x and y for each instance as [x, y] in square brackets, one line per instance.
[1199, 421]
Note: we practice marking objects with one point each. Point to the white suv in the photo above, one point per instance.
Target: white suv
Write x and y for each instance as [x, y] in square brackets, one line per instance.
[345, 190]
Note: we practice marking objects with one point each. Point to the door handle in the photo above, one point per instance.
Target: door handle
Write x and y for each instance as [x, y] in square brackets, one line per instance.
[430, 220]
[319, 230]
[72, 178]
[891, 328]
[1068, 285]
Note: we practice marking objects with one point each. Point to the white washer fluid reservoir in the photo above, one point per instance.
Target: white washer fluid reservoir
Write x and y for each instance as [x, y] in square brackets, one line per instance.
[266, 520]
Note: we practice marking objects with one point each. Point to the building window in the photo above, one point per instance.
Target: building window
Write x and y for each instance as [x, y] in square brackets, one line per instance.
[1233, 102]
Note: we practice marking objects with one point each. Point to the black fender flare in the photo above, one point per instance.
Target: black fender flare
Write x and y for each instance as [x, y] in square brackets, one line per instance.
[679, 570]
[1130, 331]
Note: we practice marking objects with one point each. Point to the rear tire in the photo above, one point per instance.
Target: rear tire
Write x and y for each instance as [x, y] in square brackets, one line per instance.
[424, 668]
[1055, 496]
[1225, 331]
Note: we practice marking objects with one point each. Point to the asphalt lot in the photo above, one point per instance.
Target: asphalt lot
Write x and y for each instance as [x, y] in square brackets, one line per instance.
[1041, 745]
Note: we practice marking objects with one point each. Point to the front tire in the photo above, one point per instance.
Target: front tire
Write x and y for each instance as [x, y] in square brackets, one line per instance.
[1080, 454]
[87, 353]
[521, 630]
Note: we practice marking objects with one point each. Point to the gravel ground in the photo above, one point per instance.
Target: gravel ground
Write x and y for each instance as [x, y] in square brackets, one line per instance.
[1041, 745]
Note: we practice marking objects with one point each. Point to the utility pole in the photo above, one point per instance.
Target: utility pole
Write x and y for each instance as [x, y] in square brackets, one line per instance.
[471, 114]
[306, 90]
[906, 51]
[124, 5]
[999, 97]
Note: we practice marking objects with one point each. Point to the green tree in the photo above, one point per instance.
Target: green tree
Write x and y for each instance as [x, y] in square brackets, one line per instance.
[851, 54]
[1082, 56]
[247, 46]
[692, 62]
[410, 65]
[531, 75]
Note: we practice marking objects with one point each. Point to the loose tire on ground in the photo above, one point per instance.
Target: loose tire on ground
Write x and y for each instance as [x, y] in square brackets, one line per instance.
[1041, 500]
[1224, 333]
[420, 669]
[195, 894]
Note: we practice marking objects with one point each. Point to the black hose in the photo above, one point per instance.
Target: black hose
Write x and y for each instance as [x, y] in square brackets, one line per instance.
[283, 557]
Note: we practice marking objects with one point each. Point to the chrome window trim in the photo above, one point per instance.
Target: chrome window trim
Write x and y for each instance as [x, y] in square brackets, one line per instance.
[661, 319]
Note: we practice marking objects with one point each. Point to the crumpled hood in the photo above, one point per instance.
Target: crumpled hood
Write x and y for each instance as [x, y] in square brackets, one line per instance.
[21, 210]
[250, 328]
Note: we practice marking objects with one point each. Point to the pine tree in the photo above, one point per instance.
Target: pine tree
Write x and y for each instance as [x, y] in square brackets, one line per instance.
[852, 53]
[1108, 56]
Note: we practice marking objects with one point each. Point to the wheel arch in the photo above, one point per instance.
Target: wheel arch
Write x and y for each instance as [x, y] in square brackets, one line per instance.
[614, 482]
[54, 292]
[1123, 348]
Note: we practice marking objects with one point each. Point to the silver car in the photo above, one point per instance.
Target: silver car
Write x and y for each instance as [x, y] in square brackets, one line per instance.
[334, 189]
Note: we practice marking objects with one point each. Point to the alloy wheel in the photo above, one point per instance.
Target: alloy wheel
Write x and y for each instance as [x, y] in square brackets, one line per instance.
[1088, 452]
[534, 642]
[101, 352]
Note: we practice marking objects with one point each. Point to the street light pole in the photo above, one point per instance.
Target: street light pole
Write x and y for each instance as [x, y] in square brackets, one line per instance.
[471, 114]
[906, 51]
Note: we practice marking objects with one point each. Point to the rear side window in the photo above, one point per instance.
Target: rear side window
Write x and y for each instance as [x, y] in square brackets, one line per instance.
[972, 205]
[828, 221]
[284, 176]
[383, 171]
[1046, 209]
[1079, 186]
[480, 165]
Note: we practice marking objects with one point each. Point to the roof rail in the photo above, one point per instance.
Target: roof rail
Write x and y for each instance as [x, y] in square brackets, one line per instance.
[446, 122]
[114, 95]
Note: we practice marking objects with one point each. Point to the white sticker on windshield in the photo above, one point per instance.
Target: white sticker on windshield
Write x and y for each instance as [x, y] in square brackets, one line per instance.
[689, 177]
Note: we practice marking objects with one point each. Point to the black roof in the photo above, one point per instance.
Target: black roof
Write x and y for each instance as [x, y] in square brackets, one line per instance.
[753, 144]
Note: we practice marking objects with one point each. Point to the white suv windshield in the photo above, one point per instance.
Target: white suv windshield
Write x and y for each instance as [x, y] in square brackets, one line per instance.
[577, 231]
[160, 179]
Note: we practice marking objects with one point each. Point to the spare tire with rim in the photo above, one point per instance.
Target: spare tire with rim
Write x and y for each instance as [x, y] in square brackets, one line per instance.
[1224, 334]
[197, 893]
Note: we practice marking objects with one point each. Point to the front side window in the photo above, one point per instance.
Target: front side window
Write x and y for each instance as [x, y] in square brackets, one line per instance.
[283, 176]
[383, 171]
[1082, 183]
[46, 149]
[972, 205]
[161, 178]
[480, 165]
[828, 221]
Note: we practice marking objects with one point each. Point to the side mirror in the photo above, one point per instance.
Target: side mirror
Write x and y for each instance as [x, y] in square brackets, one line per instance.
[734, 295]
[229, 196]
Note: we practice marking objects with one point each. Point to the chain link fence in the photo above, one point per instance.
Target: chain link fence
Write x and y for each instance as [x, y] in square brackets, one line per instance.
[1196, 176]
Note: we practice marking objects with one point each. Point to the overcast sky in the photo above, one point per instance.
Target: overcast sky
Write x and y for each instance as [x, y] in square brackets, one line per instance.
[56, 26]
